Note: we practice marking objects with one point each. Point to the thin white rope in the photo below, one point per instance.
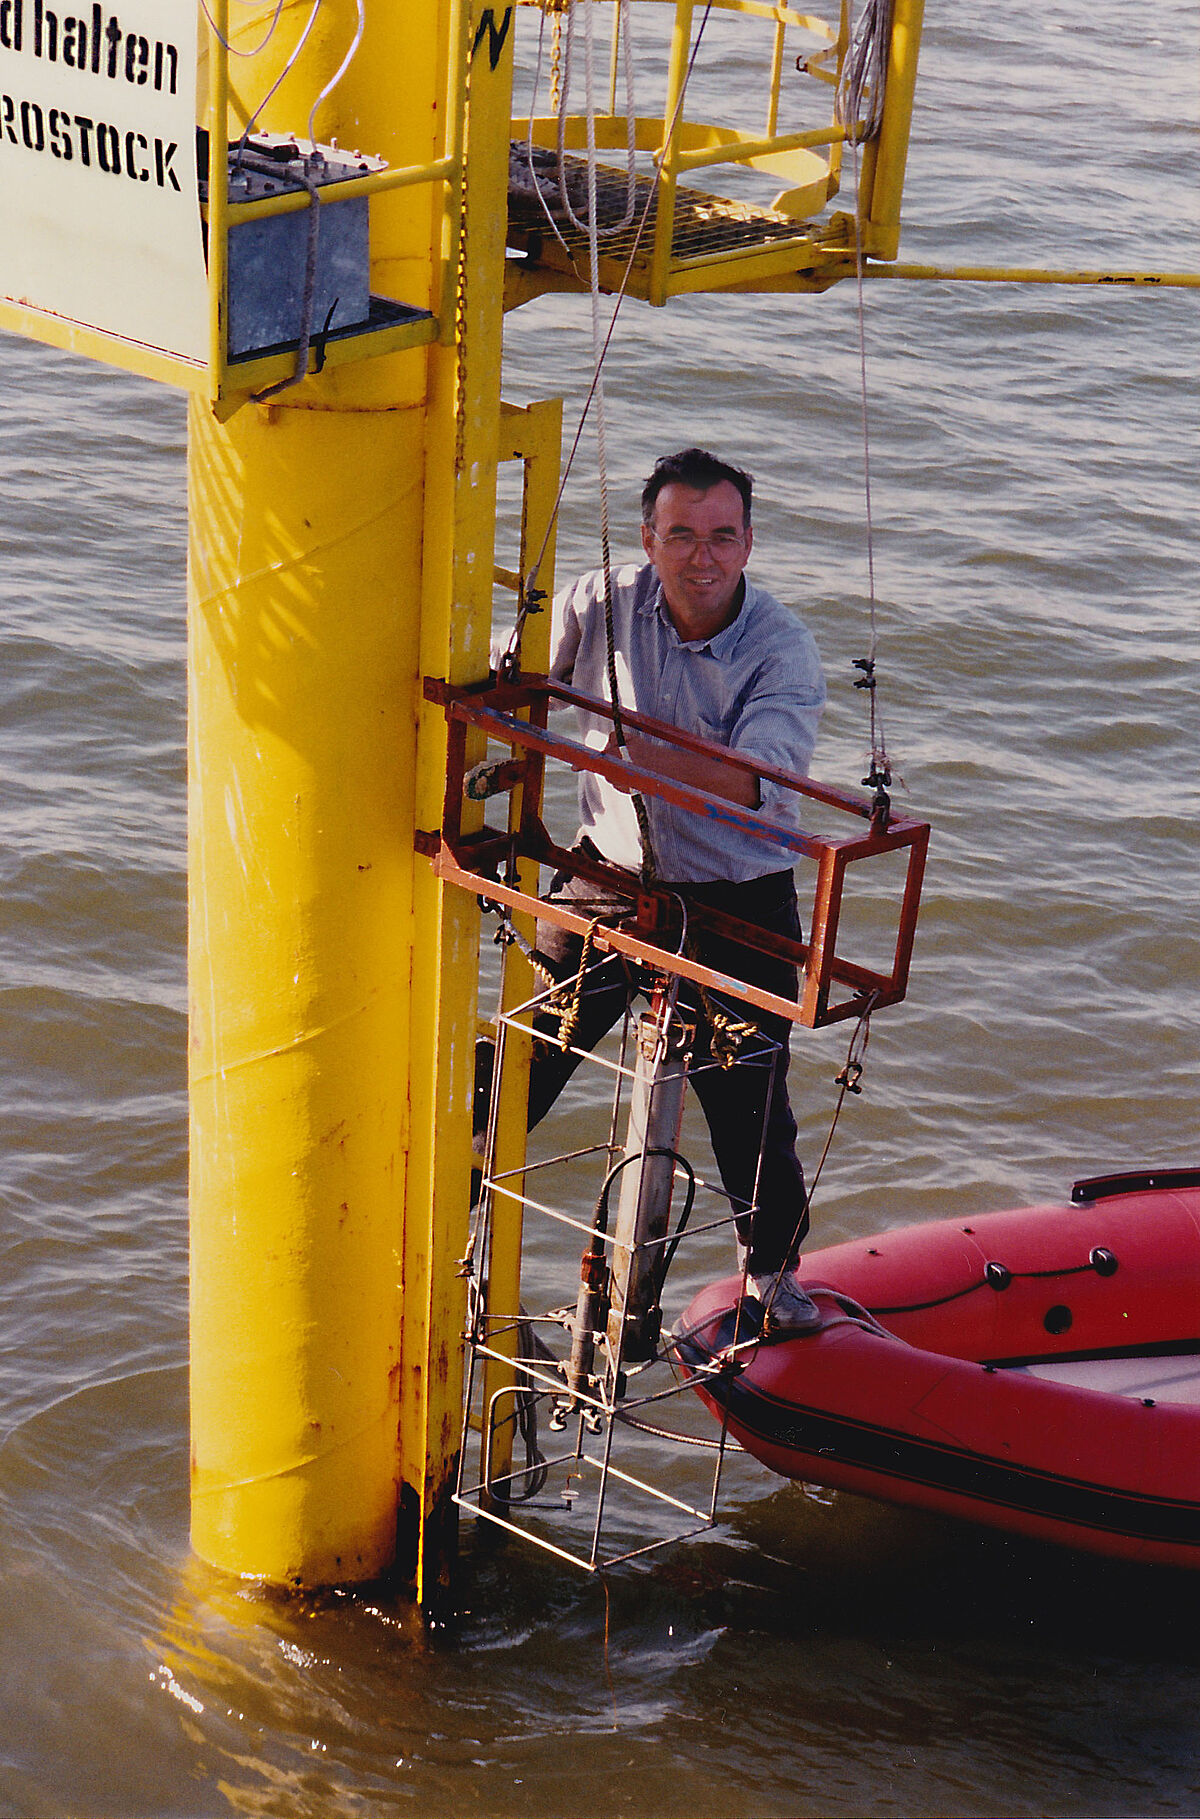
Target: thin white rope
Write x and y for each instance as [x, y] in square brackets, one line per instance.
[284, 73]
[864, 71]
[232, 48]
[623, 27]
[347, 60]
[514, 643]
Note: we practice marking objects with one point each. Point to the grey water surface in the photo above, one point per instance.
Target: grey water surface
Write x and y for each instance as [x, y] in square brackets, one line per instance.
[1034, 491]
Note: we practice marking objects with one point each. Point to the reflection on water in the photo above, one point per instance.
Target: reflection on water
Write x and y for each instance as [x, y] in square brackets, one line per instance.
[1033, 463]
[811, 1658]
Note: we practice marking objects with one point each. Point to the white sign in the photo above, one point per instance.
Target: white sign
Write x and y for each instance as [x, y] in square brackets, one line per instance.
[99, 216]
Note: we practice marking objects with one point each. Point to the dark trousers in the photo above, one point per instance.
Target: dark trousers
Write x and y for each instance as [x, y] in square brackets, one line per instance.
[737, 1101]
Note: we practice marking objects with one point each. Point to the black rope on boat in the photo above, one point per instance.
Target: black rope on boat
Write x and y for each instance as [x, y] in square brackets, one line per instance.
[998, 1276]
[921, 1307]
[1101, 1260]
[684, 1213]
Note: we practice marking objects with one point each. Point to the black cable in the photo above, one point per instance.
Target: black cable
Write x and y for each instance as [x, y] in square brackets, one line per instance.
[997, 1276]
[600, 1216]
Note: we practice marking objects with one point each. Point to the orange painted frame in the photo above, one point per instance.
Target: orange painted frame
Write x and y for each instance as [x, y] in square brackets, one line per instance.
[478, 860]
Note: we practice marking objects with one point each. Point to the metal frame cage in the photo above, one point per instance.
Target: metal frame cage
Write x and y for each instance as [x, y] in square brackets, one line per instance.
[484, 860]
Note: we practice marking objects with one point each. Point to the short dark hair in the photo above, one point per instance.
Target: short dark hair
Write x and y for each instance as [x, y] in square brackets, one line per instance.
[696, 468]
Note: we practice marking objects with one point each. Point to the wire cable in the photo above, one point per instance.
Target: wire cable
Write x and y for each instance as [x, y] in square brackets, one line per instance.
[284, 73]
[343, 66]
[512, 651]
[864, 72]
[233, 49]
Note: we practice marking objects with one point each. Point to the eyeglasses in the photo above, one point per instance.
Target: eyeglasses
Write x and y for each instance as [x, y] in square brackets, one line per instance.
[683, 543]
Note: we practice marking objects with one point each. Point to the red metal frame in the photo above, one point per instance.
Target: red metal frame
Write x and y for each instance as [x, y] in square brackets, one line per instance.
[480, 861]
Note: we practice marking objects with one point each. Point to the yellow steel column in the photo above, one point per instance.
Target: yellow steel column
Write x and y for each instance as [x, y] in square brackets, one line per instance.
[884, 160]
[308, 585]
[535, 436]
[664, 219]
[299, 894]
[460, 515]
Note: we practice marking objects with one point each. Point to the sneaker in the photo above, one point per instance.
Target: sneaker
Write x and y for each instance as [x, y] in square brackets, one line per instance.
[788, 1309]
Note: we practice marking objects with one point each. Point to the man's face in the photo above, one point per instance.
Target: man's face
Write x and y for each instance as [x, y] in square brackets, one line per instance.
[699, 543]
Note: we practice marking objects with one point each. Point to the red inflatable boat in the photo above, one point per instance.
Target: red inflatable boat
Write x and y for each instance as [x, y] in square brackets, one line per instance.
[1036, 1370]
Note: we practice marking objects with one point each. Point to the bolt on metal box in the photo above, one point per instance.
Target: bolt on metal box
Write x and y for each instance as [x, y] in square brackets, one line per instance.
[270, 304]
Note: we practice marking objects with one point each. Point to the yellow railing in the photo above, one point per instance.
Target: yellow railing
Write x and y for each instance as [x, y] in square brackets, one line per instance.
[679, 144]
[808, 161]
[227, 382]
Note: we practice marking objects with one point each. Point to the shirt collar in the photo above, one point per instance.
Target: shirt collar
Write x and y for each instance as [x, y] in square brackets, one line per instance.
[722, 644]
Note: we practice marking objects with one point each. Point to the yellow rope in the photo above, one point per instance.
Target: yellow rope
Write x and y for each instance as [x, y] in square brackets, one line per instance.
[727, 1032]
[569, 1011]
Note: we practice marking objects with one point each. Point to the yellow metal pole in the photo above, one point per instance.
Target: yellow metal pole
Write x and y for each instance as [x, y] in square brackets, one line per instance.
[533, 435]
[772, 125]
[312, 1105]
[299, 894]
[459, 531]
[1022, 274]
[884, 161]
[664, 219]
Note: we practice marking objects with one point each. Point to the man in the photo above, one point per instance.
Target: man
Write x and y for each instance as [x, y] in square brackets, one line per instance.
[700, 646]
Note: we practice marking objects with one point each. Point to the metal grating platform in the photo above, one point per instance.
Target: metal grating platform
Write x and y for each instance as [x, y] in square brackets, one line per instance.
[705, 227]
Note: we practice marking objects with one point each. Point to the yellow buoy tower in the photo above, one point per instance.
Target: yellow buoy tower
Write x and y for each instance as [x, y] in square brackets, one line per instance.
[341, 549]
[324, 272]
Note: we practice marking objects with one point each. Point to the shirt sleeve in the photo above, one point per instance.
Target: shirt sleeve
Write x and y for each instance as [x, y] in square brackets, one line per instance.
[779, 719]
[566, 627]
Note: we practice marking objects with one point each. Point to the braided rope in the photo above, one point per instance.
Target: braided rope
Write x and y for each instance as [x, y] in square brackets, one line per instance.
[569, 1013]
[617, 227]
[863, 83]
[727, 1032]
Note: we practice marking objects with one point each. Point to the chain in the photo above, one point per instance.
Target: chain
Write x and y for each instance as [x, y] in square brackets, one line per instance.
[460, 280]
[556, 51]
